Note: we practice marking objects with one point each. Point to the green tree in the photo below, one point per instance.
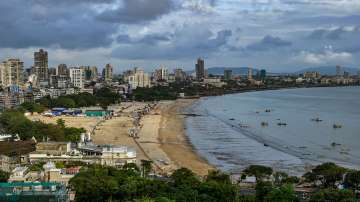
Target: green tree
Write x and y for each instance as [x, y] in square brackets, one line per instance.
[218, 176]
[332, 195]
[258, 171]
[32, 107]
[185, 177]
[60, 165]
[328, 174]
[285, 193]
[66, 102]
[4, 176]
[60, 123]
[262, 190]
[352, 180]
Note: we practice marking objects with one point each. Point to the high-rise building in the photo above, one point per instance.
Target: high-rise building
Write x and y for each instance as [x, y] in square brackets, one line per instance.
[249, 74]
[338, 71]
[41, 65]
[108, 73]
[94, 73]
[227, 74]
[11, 72]
[138, 78]
[77, 77]
[200, 69]
[180, 75]
[52, 72]
[262, 74]
[161, 74]
[62, 70]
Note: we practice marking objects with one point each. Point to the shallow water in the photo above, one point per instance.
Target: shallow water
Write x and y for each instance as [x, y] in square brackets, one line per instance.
[229, 133]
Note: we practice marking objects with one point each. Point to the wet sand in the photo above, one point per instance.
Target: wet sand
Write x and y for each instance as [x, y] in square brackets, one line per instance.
[173, 139]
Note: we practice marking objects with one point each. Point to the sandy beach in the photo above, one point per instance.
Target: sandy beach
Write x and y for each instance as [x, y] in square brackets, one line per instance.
[162, 138]
[174, 141]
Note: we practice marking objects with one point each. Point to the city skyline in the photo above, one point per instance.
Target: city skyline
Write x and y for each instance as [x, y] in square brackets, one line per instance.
[277, 35]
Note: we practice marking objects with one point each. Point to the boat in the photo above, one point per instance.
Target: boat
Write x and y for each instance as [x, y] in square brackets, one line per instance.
[232, 119]
[334, 144]
[267, 110]
[264, 124]
[243, 125]
[282, 124]
[316, 119]
[336, 126]
[266, 145]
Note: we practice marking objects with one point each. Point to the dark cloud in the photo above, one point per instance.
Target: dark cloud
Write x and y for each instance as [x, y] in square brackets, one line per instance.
[269, 42]
[135, 11]
[124, 39]
[151, 39]
[190, 41]
[29, 23]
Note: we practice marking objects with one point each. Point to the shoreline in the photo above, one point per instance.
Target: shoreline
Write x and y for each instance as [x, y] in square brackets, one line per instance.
[176, 143]
[163, 138]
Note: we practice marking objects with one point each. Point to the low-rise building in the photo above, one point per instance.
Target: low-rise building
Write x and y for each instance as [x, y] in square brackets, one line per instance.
[214, 82]
[14, 153]
[19, 174]
[312, 75]
[111, 155]
[33, 191]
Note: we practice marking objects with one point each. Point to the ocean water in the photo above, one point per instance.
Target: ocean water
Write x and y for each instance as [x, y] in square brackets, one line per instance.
[229, 134]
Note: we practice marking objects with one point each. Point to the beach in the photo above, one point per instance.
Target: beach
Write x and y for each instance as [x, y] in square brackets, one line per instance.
[164, 139]
[161, 139]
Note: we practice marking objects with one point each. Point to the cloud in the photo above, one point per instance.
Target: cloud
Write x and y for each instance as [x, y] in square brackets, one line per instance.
[135, 11]
[269, 42]
[199, 6]
[187, 42]
[150, 39]
[45, 23]
[333, 34]
[326, 57]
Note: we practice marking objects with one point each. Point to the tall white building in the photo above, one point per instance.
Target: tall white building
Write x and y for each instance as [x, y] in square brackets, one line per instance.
[250, 72]
[161, 74]
[11, 72]
[77, 77]
[138, 78]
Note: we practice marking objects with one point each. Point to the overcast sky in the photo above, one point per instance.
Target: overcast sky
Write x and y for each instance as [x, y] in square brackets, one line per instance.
[278, 35]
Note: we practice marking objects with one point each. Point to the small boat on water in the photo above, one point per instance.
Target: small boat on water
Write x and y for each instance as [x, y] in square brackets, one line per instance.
[336, 126]
[232, 119]
[243, 125]
[334, 144]
[267, 110]
[266, 145]
[282, 124]
[264, 124]
[316, 119]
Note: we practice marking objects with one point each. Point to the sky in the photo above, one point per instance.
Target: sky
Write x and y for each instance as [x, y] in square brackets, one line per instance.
[277, 35]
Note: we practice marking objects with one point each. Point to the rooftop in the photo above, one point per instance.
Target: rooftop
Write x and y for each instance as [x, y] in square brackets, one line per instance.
[17, 148]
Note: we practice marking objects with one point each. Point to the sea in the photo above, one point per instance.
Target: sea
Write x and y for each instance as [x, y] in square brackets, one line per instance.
[290, 130]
